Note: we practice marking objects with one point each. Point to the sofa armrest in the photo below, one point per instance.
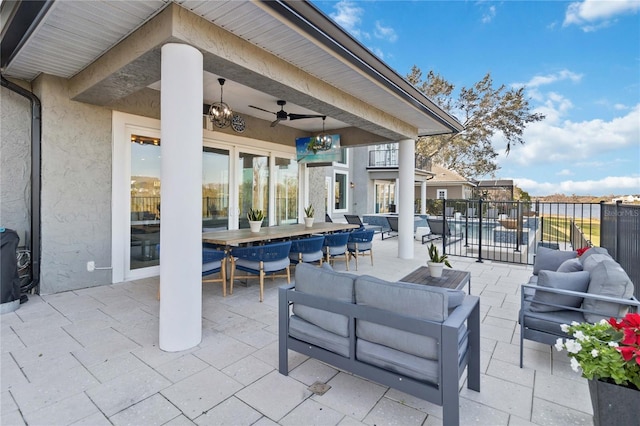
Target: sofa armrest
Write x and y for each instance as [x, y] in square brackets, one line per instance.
[632, 303]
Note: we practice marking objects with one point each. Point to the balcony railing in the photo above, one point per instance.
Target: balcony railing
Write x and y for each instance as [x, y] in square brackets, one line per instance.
[389, 158]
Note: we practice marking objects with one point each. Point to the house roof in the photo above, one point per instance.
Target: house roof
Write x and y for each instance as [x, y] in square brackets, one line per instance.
[443, 175]
[66, 38]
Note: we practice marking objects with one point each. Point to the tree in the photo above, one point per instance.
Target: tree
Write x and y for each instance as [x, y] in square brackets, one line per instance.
[484, 111]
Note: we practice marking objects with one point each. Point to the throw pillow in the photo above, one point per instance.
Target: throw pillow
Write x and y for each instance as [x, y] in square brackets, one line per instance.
[607, 279]
[574, 281]
[571, 265]
[549, 259]
[592, 251]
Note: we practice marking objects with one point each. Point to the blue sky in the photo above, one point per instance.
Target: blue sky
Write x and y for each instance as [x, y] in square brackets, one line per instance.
[579, 62]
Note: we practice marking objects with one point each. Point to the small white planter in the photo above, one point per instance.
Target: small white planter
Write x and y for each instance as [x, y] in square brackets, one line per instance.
[435, 269]
[255, 225]
[308, 222]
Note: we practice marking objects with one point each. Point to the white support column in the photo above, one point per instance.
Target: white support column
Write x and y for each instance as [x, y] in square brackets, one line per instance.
[423, 197]
[406, 171]
[181, 198]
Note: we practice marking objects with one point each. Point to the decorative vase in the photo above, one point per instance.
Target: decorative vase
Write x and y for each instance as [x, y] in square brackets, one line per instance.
[613, 404]
[435, 269]
[255, 225]
[308, 222]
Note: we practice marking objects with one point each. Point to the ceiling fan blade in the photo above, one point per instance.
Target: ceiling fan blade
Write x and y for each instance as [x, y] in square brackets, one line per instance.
[273, 124]
[262, 109]
[301, 116]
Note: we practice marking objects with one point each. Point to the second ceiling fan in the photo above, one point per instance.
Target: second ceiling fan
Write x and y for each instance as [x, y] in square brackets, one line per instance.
[283, 115]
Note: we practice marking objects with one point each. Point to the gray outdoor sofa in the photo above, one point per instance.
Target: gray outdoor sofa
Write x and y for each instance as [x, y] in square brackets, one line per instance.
[566, 288]
[411, 337]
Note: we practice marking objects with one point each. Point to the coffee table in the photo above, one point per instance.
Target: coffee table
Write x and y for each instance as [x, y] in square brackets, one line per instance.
[451, 278]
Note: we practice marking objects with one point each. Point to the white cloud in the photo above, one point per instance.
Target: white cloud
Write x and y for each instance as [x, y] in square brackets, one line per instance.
[348, 16]
[592, 15]
[488, 16]
[385, 33]
[618, 185]
[620, 107]
[543, 80]
[564, 172]
[554, 140]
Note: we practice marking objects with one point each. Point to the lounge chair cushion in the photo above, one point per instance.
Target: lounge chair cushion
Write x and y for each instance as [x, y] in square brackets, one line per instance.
[324, 282]
[570, 265]
[574, 281]
[549, 260]
[607, 279]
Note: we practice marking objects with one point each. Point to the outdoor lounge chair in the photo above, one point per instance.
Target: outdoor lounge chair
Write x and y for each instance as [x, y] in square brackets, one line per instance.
[361, 244]
[307, 250]
[355, 220]
[440, 229]
[261, 260]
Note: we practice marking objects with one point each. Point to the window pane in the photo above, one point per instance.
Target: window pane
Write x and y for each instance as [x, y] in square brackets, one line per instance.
[253, 185]
[286, 191]
[145, 201]
[340, 191]
[215, 189]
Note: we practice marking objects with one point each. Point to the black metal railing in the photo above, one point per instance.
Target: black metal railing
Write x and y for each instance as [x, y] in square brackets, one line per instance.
[389, 158]
[620, 235]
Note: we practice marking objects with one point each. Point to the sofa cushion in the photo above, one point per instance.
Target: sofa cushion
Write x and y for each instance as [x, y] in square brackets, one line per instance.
[324, 283]
[570, 265]
[549, 260]
[550, 322]
[590, 263]
[307, 332]
[574, 281]
[412, 300]
[591, 251]
[607, 279]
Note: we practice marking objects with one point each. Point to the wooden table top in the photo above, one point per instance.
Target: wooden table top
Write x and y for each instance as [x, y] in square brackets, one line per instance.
[451, 278]
[268, 233]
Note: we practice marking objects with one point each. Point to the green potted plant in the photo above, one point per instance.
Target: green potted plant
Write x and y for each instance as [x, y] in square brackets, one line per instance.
[255, 217]
[309, 212]
[436, 262]
[607, 353]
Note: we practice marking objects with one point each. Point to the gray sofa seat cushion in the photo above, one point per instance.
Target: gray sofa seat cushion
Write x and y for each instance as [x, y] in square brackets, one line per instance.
[592, 251]
[549, 260]
[307, 332]
[571, 265]
[412, 300]
[574, 281]
[397, 361]
[327, 283]
[550, 322]
[607, 279]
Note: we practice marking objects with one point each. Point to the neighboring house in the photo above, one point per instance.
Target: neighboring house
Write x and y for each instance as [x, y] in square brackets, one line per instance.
[494, 190]
[448, 184]
[105, 108]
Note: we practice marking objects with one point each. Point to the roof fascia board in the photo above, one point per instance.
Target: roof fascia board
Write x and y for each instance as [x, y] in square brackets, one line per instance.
[307, 17]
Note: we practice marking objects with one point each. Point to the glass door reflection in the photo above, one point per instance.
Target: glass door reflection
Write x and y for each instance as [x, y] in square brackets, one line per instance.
[215, 189]
[253, 186]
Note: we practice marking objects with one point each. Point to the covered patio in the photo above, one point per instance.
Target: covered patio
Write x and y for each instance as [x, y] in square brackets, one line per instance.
[91, 356]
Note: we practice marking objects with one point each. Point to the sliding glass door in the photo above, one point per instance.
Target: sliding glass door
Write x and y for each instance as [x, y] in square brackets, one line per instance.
[253, 185]
[215, 189]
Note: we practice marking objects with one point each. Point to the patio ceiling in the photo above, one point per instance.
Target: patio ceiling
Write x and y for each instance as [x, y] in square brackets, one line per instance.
[341, 79]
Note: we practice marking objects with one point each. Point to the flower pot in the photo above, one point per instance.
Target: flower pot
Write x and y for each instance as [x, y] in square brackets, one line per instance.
[435, 269]
[308, 222]
[613, 404]
[255, 225]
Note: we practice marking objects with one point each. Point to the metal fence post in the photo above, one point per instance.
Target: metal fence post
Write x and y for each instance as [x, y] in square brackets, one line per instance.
[479, 231]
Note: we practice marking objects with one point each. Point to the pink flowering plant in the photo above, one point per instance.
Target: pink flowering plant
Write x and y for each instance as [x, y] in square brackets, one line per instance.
[607, 350]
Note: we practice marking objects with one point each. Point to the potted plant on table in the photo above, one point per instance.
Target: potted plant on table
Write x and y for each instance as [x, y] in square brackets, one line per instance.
[255, 217]
[608, 355]
[436, 262]
[309, 212]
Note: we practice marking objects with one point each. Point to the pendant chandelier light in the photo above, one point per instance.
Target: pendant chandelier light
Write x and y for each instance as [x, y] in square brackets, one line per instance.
[219, 112]
[323, 141]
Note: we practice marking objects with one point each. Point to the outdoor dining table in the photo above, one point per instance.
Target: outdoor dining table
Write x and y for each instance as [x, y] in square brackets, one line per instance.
[269, 233]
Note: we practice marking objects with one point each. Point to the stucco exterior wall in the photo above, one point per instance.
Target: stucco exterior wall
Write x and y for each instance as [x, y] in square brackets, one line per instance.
[15, 163]
[76, 189]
